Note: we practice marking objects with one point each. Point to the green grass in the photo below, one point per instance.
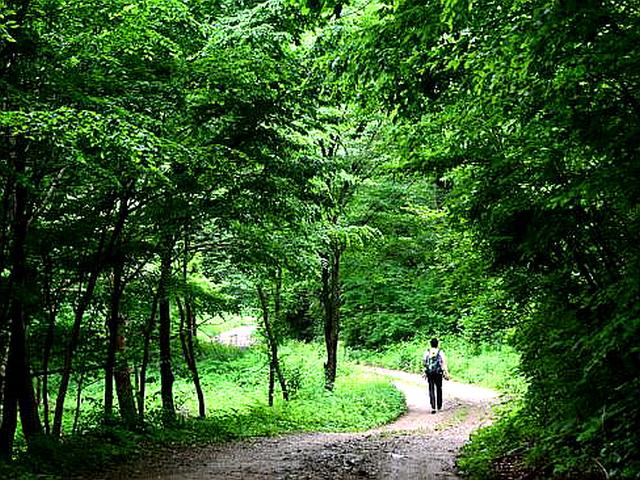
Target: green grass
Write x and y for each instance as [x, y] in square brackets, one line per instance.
[237, 389]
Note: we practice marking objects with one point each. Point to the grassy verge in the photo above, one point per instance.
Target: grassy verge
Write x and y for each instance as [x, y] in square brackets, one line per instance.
[506, 449]
[235, 384]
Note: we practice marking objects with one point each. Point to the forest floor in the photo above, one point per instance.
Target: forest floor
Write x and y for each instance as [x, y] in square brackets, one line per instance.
[418, 445]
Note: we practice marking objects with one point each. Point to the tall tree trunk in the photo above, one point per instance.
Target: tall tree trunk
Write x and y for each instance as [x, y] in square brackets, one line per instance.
[275, 371]
[74, 338]
[124, 388]
[18, 391]
[187, 332]
[4, 360]
[14, 202]
[164, 330]
[109, 368]
[187, 319]
[272, 383]
[191, 329]
[52, 306]
[38, 391]
[331, 306]
[81, 308]
[76, 416]
[9, 413]
[142, 382]
[278, 318]
[4, 234]
[117, 366]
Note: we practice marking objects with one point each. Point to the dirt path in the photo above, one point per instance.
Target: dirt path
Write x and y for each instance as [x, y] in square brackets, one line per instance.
[241, 337]
[417, 446]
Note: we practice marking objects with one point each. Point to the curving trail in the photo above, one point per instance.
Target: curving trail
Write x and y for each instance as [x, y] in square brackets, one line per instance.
[417, 446]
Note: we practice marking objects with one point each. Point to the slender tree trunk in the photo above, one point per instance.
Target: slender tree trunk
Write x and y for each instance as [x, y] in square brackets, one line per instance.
[9, 418]
[264, 304]
[272, 342]
[14, 209]
[18, 387]
[124, 388]
[74, 338]
[164, 330]
[38, 391]
[191, 328]
[278, 317]
[187, 333]
[4, 360]
[112, 341]
[109, 368]
[76, 416]
[19, 391]
[113, 321]
[331, 306]
[151, 325]
[81, 308]
[117, 366]
[187, 318]
[136, 389]
[272, 383]
[4, 233]
[52, 305]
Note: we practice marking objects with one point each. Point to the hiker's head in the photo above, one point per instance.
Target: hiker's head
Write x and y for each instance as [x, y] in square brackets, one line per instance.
[434, 342]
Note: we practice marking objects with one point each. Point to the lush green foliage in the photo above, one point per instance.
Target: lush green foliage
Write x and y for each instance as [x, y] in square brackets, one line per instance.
[504, 440]
[137, 137]
[421, 274]
[237, 388]
[387, 170]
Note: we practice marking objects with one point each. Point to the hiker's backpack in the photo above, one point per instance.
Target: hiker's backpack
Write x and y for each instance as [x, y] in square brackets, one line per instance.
[433, 364]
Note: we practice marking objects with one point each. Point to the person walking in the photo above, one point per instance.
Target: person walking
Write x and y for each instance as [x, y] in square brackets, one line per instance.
[435, 369]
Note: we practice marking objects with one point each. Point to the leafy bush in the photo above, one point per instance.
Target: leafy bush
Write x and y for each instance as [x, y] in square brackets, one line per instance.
[504, 439]
[74, 454]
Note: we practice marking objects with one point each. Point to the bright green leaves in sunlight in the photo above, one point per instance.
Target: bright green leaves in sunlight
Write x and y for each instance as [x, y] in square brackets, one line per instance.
[8, 23]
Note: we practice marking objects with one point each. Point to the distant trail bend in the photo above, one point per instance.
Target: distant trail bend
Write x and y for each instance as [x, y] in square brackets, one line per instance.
[417, 446]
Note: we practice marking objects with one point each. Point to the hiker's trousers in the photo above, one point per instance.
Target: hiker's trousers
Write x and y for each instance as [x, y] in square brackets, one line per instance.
[435, 390]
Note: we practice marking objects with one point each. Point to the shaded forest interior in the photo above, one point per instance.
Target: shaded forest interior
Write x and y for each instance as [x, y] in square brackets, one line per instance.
[354, 179]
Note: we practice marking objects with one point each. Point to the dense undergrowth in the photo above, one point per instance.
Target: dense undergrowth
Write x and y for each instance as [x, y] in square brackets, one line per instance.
[511, 448]
[235, 383]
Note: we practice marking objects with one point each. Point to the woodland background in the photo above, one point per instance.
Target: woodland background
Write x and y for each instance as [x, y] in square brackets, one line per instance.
[355, 176]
